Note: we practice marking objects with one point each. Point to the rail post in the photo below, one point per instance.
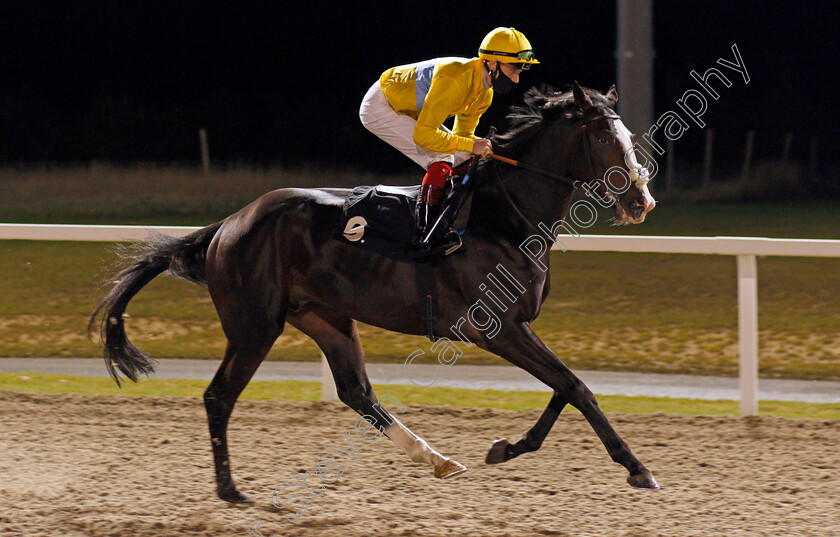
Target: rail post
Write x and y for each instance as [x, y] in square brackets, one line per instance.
[786, 148]
[748, 334]
[748, 151]
[205, 151]
[707, 158]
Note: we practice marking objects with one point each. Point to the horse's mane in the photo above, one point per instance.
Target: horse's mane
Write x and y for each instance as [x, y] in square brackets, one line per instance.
[542, 107]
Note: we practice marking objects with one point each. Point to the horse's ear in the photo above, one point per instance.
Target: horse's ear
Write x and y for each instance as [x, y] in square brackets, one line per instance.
[612, 96]
[582, 100]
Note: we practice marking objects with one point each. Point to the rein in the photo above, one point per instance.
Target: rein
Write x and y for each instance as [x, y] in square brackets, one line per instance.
[513, 204]
[574, 182]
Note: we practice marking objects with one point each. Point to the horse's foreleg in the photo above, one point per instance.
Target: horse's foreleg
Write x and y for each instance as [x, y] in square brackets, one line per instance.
[502, 450]
[523, 348]
[339, 340]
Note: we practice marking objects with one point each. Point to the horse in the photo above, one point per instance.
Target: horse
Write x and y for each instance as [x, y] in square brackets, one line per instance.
[277, 261]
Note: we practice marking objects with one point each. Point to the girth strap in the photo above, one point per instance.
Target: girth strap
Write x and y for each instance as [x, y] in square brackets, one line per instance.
[425, 274]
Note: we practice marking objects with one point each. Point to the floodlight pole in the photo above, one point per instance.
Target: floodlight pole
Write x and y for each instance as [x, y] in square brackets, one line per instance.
[634, 61]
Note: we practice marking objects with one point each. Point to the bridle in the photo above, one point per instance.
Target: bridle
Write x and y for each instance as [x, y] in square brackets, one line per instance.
[639, 175]
[641, 180]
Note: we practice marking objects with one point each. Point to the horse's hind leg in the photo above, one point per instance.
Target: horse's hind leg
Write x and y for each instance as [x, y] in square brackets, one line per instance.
[251, 332]
[502, 450]
[239, 365]
[339, 340]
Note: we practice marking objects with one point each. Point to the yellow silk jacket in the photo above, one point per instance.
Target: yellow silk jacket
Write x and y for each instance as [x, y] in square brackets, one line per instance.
[434, 90]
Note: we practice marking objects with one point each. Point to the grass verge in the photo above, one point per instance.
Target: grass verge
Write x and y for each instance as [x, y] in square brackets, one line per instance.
[653, 313]
[410, 395]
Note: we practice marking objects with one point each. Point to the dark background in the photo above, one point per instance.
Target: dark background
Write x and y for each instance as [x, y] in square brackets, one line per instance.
[273, 84]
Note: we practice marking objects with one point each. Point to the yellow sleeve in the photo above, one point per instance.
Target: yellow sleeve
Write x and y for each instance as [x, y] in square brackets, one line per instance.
[443, 98]
[466, 122]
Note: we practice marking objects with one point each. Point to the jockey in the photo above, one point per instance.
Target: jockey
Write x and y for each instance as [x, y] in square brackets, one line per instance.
[407, 106]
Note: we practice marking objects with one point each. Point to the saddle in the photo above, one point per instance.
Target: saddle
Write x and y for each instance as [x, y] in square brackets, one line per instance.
[380, 218]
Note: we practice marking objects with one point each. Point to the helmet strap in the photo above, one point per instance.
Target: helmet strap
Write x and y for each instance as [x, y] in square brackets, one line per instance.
[499, 81]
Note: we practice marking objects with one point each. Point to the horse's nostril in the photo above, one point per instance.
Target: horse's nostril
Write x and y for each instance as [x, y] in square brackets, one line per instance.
[637, 205]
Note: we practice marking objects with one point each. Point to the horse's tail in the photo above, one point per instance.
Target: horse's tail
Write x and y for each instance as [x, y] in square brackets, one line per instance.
[181, 256]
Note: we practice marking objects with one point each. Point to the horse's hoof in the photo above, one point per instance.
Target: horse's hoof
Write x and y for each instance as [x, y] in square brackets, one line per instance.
[236, 498]
[449, 468]
[644, 480]
[498, 452]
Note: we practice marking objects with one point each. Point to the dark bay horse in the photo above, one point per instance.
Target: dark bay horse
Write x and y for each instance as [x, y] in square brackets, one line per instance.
[277, 261]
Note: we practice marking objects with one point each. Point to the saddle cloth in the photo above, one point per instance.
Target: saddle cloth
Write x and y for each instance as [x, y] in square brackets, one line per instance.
[380, 218]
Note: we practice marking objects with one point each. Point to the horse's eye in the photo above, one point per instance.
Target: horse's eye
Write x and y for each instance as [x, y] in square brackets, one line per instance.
[603, 140]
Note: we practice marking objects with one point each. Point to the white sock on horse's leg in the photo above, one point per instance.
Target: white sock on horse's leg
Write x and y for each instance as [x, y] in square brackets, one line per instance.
[415, 447]
[419, 451]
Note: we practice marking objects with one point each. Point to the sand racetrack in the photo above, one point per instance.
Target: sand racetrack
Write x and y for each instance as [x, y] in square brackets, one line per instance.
[75, 465]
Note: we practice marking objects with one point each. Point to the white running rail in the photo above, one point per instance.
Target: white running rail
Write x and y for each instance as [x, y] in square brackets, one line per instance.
[745, 249]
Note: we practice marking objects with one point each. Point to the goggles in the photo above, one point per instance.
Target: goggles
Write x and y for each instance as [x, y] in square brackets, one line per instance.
[524, 55]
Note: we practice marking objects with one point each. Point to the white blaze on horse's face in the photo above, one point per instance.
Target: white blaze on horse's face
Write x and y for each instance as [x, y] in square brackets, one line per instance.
[638, 174]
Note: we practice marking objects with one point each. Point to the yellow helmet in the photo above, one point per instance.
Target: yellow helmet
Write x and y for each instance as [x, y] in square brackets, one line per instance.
[507, 45]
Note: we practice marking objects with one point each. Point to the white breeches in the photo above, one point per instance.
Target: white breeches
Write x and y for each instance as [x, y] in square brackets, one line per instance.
[381, 119]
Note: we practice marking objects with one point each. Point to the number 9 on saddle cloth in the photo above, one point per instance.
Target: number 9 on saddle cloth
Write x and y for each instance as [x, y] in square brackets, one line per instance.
[380, 218]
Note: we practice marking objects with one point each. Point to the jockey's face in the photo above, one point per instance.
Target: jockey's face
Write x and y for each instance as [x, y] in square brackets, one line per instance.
[512, 71]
